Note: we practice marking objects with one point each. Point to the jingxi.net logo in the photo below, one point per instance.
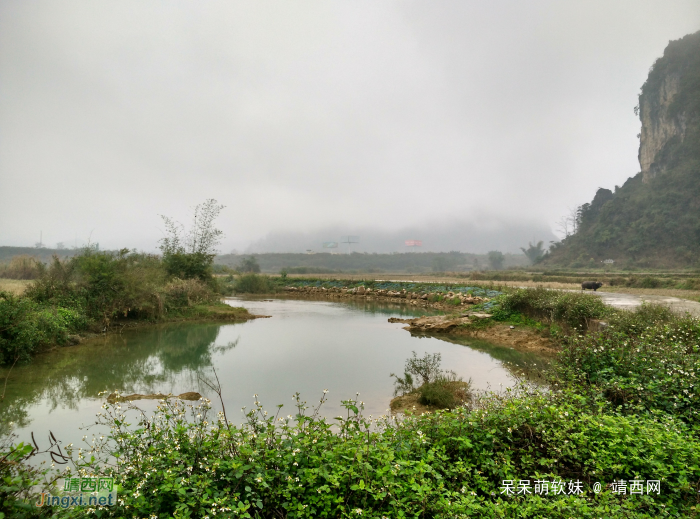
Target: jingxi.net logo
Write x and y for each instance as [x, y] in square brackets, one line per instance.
[87, 491]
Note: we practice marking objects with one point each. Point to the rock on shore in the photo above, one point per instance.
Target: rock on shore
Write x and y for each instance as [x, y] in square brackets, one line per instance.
[450, 300]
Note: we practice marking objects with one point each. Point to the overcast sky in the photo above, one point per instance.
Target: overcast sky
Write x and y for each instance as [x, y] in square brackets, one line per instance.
[305, 116]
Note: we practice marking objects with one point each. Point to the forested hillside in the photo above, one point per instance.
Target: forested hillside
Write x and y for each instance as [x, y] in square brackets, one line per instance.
[653, 220]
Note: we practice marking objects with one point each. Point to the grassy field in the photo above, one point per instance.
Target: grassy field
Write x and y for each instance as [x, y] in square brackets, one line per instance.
[14, 286]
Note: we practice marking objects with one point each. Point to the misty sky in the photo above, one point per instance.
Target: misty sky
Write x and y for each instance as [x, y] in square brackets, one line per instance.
[307, 117]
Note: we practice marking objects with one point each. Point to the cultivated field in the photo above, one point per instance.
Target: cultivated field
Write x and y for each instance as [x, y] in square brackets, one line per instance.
[447, 279]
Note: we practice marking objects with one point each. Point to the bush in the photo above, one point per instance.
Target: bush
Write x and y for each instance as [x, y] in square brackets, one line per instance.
[571, 309]
[254, 284]
[447, 391]
[189, 266]
[648, 359]
[183, 293]
[21, 483]
[103, 285]
[21, 267]
[26, 327]
[427, 368]
[650, 282]
[186, 463]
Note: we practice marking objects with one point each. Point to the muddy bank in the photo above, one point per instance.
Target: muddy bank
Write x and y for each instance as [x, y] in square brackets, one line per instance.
[113, 398]
[476, 325]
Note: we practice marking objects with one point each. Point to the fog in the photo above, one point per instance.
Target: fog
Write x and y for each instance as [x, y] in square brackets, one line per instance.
[477, 237]
[469, 125]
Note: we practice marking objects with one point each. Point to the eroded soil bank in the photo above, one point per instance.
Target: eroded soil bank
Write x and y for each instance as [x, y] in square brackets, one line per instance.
[521, 338]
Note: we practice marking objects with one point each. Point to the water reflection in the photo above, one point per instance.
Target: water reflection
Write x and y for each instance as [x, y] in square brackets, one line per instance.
[307, 346]
[141, 360]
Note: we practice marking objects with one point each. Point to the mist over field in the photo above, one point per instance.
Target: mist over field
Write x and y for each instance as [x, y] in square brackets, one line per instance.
[468, 125]
[473, 237]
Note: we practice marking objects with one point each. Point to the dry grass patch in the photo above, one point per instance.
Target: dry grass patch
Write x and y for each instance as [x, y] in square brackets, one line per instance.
[14, 286]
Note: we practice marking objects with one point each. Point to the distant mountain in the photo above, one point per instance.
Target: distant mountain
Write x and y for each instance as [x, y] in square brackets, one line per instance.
[477, 237]
[653, 220]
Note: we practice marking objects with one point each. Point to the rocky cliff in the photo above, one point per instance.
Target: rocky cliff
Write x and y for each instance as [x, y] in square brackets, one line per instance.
[653, 220]
[664, 120]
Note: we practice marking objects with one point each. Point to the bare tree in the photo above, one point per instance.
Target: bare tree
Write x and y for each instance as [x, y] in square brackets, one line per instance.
[569, 224]
[202, 237]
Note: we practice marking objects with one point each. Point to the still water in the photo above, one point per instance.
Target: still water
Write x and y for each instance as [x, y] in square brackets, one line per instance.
[305, 346]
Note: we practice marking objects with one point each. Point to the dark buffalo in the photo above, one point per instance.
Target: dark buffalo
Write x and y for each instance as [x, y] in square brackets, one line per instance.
[591, 285]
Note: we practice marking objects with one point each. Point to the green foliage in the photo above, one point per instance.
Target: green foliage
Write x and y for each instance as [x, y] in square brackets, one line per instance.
[186, 293]
[534, 253]
[438, 388]
[496, 259]
[648, 359]
[572, 309]
[182, 462]
[437, 395]
[326, 263]
[427, 367]
[188, 265]
[403, 385]
[26, 327]
[103, 285]
[20, 483]
[254, 284]
[441, 392]
[190, 254]
[93, 290]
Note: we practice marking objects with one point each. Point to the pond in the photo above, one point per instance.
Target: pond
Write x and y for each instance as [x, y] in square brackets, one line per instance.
[306, 346]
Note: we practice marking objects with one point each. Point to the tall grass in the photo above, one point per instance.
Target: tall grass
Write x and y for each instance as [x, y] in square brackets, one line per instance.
[254, 284]
[21, 267]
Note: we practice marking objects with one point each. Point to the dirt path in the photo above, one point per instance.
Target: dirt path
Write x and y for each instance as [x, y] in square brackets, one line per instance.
[632, 301]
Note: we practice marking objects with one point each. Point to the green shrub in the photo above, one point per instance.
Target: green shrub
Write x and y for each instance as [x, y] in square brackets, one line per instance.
[648, 359]
[184, 265]
[103, 285]
[184, 293]
[437, 395]
[21, 483]
[426, 367]
[572, 309]
[26, 327]
[650, 282]
[442, 393]
[186, 463]
[254, 284]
